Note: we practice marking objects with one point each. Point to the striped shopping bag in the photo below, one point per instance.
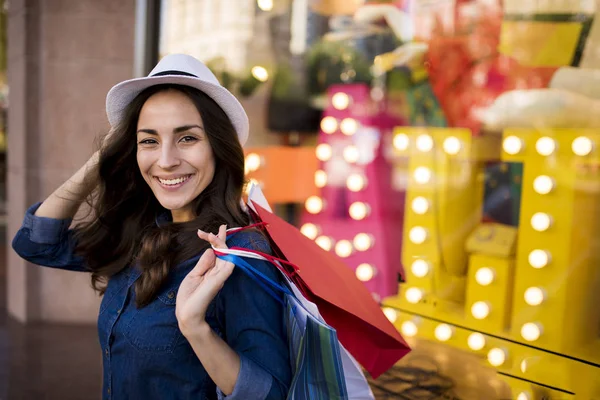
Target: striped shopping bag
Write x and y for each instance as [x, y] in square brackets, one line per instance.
[317, 367]
[315, 351]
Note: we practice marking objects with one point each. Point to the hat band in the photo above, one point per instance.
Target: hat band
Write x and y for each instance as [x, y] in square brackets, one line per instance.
[173, 72]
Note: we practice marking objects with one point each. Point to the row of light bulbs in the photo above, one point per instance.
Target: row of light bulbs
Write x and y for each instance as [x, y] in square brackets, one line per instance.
[324, 153]
[348, 126]
[355, 182]
[358, 210]
[344, 248]
[534, 296]
[546, 146]
[484, 276]
[424, 143]
[476, 341]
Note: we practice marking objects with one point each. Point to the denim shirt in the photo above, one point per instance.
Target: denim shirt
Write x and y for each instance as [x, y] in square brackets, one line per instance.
[145, 355]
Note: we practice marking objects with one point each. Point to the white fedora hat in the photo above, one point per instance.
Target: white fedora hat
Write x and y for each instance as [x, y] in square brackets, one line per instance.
[179, 69]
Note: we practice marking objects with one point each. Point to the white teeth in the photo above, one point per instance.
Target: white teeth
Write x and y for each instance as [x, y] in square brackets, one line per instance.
[173, 181]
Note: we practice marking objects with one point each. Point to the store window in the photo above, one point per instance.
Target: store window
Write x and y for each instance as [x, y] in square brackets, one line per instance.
[456, 173]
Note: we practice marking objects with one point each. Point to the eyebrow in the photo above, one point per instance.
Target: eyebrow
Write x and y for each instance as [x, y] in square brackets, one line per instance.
[179, 129]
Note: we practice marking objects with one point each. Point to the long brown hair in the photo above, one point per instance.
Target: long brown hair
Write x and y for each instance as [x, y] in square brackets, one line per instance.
[125, 229]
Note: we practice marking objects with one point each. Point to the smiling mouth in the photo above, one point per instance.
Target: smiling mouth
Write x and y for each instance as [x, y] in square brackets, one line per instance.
[174, 182]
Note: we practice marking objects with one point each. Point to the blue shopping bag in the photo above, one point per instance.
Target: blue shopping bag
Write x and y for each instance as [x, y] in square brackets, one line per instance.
[315, 356]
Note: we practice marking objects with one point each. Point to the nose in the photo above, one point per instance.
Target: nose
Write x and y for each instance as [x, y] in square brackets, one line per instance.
[169, 156]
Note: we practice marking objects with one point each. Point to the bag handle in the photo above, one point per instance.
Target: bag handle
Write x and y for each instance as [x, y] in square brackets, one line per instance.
[290, 269]
[235, 256]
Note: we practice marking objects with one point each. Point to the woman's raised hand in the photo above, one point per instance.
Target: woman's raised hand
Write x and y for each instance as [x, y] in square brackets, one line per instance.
[202, 283]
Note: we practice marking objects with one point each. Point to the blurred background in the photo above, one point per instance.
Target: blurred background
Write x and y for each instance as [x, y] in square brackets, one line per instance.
[445, 150]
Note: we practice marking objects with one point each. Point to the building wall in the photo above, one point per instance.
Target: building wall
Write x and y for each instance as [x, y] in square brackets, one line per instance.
[64, 56]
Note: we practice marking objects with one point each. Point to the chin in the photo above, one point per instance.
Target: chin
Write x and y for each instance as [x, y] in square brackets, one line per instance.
[173, 204]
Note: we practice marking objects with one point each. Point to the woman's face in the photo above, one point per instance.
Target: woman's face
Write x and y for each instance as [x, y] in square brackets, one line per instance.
[173, 152]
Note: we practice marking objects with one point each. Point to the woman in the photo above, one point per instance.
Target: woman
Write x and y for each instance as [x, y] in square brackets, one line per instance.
[175, 322]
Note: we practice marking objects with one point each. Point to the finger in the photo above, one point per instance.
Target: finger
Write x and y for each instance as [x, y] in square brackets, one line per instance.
[215, 241]
[205, 263]
[223, 233]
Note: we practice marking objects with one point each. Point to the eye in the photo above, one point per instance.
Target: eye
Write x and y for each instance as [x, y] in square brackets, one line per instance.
[188, 139]
[147, 141]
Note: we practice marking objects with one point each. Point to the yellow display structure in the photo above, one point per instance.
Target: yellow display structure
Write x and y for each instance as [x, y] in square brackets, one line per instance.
[526, 299]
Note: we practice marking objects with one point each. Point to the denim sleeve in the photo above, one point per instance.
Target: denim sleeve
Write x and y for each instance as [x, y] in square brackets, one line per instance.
[47, 241]
[254, 327]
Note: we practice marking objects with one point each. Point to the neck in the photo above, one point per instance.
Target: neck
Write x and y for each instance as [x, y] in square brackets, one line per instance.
[180, 216]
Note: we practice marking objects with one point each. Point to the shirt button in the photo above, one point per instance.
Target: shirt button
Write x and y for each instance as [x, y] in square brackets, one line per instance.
[106, 351]
[119, 311]
[171, 294]
[108, 391]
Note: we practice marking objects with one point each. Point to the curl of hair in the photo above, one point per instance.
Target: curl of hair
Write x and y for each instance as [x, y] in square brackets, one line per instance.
[124, 229]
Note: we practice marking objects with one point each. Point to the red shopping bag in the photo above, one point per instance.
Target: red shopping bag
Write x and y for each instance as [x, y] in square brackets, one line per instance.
[344, 302]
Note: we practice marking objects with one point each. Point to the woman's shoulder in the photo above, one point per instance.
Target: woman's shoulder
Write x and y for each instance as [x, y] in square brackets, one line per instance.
[251, 239]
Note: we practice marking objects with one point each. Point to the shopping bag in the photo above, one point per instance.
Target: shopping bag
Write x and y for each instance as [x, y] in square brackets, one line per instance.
[315, 352]
[343, 301]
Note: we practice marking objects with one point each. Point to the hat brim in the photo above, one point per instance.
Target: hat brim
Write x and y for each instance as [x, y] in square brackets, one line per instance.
[122, 94]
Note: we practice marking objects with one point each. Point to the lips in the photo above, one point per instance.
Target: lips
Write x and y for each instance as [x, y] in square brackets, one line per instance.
[174, 181]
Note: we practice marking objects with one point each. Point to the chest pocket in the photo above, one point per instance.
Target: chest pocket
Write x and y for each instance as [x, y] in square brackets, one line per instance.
[154, 327]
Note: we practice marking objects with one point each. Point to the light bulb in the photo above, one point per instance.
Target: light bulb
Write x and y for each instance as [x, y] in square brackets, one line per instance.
[413, 295]
[539, 258]
[365, 272]
[417, 234]
[422, 175]
[401, 141]
[324, 242]
[545, 146]
[265, 5]
[391, 314]
[476, 341]
[480, 310]
[363, 241]
[543, 184]
[452, 145]
[524, 365]
[531, 331]
[424, 143]
[340, 101]
[356, 182]
[260, 73]
[320, 178]
[420, 268]
[541, 221]
[512, 145]
[524, 396]
[329, 125]
[309, 230]
[420, 205]
[349, 126]
[351, 154]
[582, 146]
[343, 248]
[534, 296]
[409, 329]
[359, 210]
[443, 332]
[497, 356]
[253, 162]
[485, 276]
[324, 152]
[314, 204]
